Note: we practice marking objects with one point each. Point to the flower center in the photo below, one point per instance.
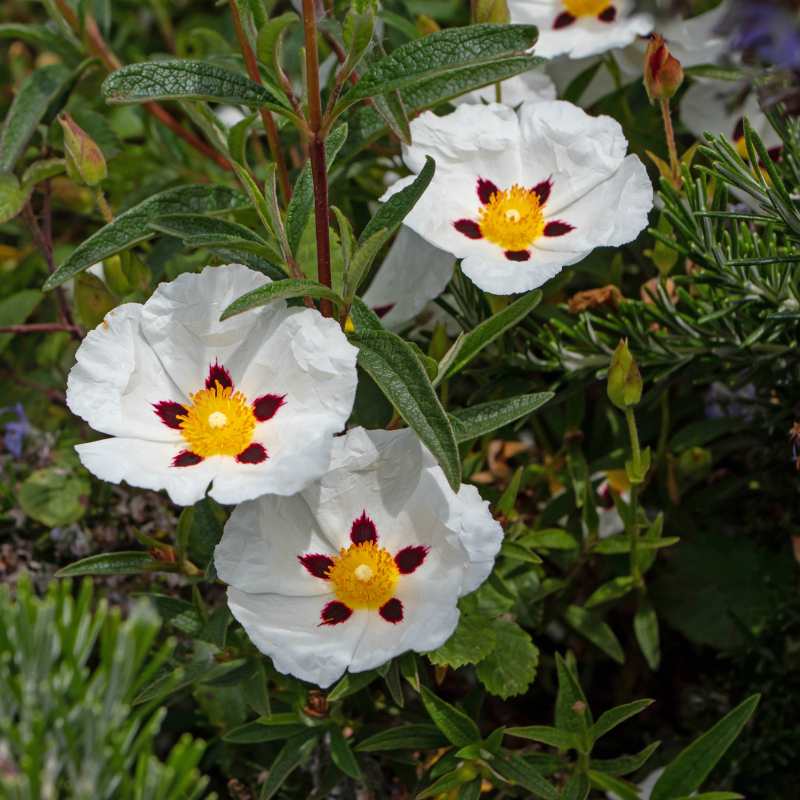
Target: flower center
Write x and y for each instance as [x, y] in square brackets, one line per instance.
[512, 218]
[364, 576]
[219, 423]
[586, 8]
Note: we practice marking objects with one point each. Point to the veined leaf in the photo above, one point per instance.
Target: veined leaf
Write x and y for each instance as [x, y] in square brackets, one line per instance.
[184, 225]
[606, 782]
[351, 683]
[177, 612]
[122, 563]
[133, 226]
[363, 317]
[39, 35]
[269, 39]
[394, 366]
[624, 765]
[205, 533]
[473, 639]
[569, 693]
[281, 290]
[610, 719]
[511, 667]
[645, 626]
[360, 262]
[390, 107]
[515, 768]
[289, 758]
[406, 737]
[596, 631]
[555, 737]
[209, 241]
[341, 753]
[612, 590]
[257, 731]
[622, 544]
[169, 682]
[454, 724]
[255, 690]
[577, 787]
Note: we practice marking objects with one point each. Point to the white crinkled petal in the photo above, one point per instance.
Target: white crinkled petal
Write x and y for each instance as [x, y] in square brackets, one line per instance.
[287, 629]
[118, 377]
[148, 465]
[412, 273]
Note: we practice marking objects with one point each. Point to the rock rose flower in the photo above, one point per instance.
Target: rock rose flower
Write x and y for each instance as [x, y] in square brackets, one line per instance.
[519, 195]
[251, 403]
[362, 565]
[580, 28]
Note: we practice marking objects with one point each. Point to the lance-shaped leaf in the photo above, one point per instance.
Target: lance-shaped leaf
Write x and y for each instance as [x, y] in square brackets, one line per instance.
[205, 532]
[359, 263]
[184, 225]
[41, 36]
[622, 789]
[282, 290]
[390, 107]
[289, 758]
[488, 417]
[301, 206]
[610, 719]
[611, 590]
[259, 731]
[357, 34]
[133, 226]
[394, 366]
[266, 206]
[439, 52]
[624, 765]
[341, 753]
[237, 138]
[351, 683]
[514, 768]
[184, 79]
[170, 681]
[406, 737]
[645, 626]
[577, 787]
[555, 737]
[123, 563]
[454, 724]
[269, 39]
[177, 612]
[622, 544]
[235, 243]
[255, 689]
[363, 317]
[596, 631]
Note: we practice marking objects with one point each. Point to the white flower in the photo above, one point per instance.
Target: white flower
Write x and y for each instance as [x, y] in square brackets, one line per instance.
[251, 403]
[412, 273]
[519, 195]
[363, 565]
[528, 87]
[580, 28]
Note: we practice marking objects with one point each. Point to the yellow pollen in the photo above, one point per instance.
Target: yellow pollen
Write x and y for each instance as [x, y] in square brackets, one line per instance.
[586, 8]
[512, 218]
[364, 576]
[219, 423]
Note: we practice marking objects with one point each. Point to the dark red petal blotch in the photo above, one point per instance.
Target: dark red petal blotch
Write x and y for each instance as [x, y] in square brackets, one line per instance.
[382, 311]
[392, 611]
[409, 558]
[363, 530]
[317, 564]
[264, 407]
[469, 228]
[253, 454]
[334, 613]
[562, 20]
[518, 255]
[169, 411]
[557, 228]
[609, 15]
[485, 190]
[216, 372]
[542, 190]
[186, 458]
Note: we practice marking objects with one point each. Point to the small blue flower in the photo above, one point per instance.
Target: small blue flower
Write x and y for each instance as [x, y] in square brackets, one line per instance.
[768, 31]
[720, 401]
[15, 430]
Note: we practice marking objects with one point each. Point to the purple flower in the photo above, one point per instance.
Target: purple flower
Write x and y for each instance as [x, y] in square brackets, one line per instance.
[768, 31]
[720, 401]
[15, 430]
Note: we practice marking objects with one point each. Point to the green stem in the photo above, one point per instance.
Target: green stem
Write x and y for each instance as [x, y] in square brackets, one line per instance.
[632, 526]
[637, 455]
[101, 202]
[673, 153]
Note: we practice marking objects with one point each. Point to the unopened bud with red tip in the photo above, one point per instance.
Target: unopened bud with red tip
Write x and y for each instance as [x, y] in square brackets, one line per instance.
[489, 11]
[85, 162]
[663, 73]
[624, 380]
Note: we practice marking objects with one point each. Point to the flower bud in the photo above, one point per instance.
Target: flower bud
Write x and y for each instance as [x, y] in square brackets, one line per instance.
[624, 380]
[695, 463]
[85, 162]
[663, 73]
[489, 11]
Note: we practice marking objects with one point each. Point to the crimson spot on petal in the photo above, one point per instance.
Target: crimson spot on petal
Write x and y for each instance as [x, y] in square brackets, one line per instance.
[265, 406]
[738, 131]
[562, 20]
[363, 530]
[253, 454]
[485, 190]
[542, 190]
[775, 153]
[557, 228]
[409, 558]
[216, 372]
[169, 411]
[469, 228]
[518, 255]
[609, 15]
[186, 458]
[317, 564]
[382, 311]
[392, 611]
[334, 613]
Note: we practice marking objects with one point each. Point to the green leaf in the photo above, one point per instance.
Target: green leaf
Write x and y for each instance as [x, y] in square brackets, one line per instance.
[357, 35]
[492, 598]
[471, 790]
[267, 211]
[54, 497]
[459, 729]
[612, 590]
[577, 787]
[555, 737]
[269, 39]
[133, 226]
[646, 558]
[216, 241]
[549, 539]
[15, 309]
[359, 264]
[183, 79]
[39, 170]
[569, 693]
[255, 690]
[645, 625]
[515, 768]
[406, 737]
[93, 299]
[122, 563]
[609, 784]
[289, 758]
[493, 327]
[714, 796]
[622, 544]
[596, 631]
[13, 196]
[301, 206]
[177, 612]
[363, 317]
[511, 667]
[610, 719]
[282, 290]
[505, 505]
[351, 683]
[393, 682]
[183, 226]
[348, 240]
[396, 369]
[205, 533]
[237, 138]
[341, 753]
[624, 765]
[473, 639]
[449, 782]
[488, 417]
[691, 767]
[172, 681]
[41, 36]
[390, 107]
[439, 52]
[260, 731]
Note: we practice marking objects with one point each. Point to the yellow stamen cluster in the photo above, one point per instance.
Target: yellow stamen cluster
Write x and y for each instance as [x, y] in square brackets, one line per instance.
[512, 218]
[586, 8]
[364, 576]
[219, 423]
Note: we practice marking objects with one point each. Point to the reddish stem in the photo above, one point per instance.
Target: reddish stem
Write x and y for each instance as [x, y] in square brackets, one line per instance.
[40, 327]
